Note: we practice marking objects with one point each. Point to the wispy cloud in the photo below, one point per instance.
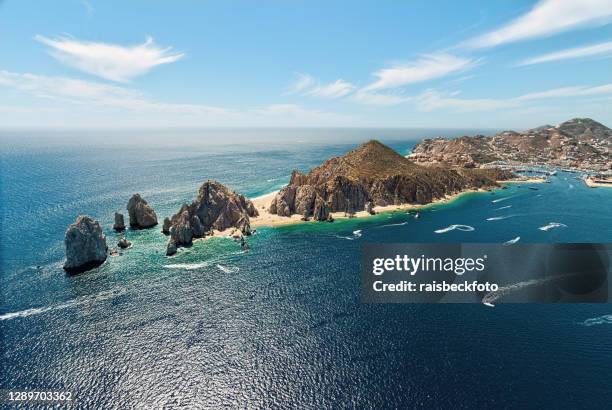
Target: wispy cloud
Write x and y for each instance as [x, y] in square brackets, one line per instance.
[428, 67]
[109, 61]
[433, 100]
[305, 84]
[546, 18]
[600, 49]
[130, 106]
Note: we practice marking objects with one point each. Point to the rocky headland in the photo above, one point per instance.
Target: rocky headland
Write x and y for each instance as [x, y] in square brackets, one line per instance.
[216, 208]
[581, 144]
[374, 175]
[141, 214]
[85, 245]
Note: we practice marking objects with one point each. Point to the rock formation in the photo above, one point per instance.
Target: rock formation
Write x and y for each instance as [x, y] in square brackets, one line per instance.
[215, 208]
[124, 243]
[140, 212]
[166, 226]
[119, 225]
[85, 245]
[373, 175]
[369, 207]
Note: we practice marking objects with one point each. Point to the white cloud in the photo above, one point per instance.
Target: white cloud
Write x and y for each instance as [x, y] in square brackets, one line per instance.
[301, 83]
[428, 67]
[546, 18]
[109, 61]
[88, 103]
[337, 89]
[571, 53]
[373, 98]
[432, 100]
[305, 84]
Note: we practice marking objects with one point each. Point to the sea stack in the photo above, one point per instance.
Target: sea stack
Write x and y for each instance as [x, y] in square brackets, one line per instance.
[85, 245]
[215, 208]
[119, 224]
[141, 214]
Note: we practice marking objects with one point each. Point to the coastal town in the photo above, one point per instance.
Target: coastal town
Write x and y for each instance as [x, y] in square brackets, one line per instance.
[580, 145]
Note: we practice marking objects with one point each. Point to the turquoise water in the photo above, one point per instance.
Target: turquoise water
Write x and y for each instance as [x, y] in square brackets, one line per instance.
[281, 324]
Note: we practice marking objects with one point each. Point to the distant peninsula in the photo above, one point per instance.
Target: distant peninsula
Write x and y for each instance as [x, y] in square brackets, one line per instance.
[580, 144]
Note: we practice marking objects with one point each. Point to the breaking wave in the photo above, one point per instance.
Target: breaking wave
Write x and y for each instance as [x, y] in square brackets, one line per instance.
[600, 320]
[465, 228]
[79, 301]
[512, 241]
[552, 225]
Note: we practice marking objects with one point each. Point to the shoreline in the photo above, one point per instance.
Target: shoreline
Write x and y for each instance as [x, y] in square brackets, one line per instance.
[265, 219]
[595, 183]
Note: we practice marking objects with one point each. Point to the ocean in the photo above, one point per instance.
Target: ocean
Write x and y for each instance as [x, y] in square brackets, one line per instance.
[281, 325]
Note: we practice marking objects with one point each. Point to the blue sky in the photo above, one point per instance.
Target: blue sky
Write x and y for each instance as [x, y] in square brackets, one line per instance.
[499, 64]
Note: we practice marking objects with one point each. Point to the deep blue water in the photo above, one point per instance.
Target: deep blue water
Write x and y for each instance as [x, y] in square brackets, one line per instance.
[281, 325]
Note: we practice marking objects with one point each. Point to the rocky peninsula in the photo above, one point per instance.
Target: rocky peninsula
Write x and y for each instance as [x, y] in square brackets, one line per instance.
[216, 208]
[370, 177]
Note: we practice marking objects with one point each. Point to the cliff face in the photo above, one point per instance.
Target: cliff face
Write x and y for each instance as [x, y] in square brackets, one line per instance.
[373, 173]
[85, 245]
[215, 207]
[580, 143]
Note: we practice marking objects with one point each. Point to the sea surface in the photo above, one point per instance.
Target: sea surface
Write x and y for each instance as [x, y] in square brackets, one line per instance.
[280, 325]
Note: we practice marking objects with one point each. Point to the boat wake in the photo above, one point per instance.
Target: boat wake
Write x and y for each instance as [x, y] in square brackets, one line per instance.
[188, 266]
[228, 269]
[504, 207]
[79, 301]
[512, 241]
[502, 199]
[397, 224]
[499, 218]
[465, 228]
[600, 320]
[492, 297]
[552, 225]
[356, 234]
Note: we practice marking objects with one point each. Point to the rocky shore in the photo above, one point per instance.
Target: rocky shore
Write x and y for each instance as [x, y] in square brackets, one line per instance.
[216, 208]
[370, 176]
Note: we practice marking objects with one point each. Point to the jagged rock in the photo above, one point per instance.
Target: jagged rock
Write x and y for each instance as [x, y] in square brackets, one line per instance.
[140, 212]
[119, 224]
[373, 175]
[369, 207]
[171, 248]
[215, 207]
[85, 245]
[124, 243]
[166, 226]
[321, 210]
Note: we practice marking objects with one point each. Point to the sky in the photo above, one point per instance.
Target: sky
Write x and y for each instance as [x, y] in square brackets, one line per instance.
[289, 63]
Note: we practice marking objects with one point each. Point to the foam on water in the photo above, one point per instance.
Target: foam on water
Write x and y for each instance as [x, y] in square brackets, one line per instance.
[512, 241]
[188, 266]
[79, 301]
[552, 225]
[600, 320]
[464, 228]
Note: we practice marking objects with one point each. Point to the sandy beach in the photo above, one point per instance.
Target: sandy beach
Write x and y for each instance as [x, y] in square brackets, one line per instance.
[598, 182]
[263, 202]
